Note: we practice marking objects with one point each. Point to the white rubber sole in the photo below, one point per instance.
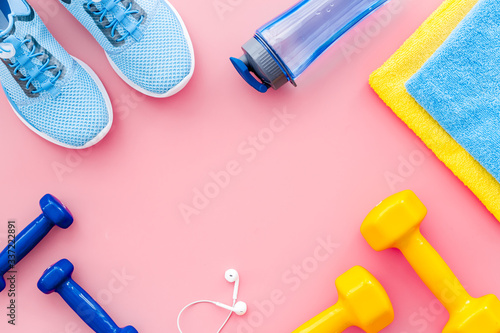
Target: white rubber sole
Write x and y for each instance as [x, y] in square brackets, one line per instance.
[99, 136]
[181, 84]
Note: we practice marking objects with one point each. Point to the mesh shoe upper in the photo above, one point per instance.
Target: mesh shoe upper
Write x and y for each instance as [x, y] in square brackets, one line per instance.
[157, 57]
[72, 114]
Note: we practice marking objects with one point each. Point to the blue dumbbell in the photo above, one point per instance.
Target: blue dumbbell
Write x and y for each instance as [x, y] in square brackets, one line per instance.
[54, 213]
[58, 278]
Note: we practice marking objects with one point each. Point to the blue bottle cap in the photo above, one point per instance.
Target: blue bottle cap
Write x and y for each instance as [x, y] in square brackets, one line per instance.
[242, 68]
[261, 61]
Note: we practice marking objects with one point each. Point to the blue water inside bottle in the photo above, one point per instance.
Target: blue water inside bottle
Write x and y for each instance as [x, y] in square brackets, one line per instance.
[294, 39]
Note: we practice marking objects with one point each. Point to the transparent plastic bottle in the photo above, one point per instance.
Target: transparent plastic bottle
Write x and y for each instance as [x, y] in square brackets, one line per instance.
[283, 48]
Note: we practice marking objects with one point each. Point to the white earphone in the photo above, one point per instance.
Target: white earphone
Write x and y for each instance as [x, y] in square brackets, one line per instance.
[240, 308]
[232, 276]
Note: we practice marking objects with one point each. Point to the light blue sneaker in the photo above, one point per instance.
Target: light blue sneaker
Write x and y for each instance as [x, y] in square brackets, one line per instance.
[55, 95]
[146, 42]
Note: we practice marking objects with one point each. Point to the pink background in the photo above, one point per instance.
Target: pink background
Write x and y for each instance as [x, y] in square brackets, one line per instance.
[313, 181]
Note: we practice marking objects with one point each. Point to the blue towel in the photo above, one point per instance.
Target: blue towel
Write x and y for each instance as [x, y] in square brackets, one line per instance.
[460, 85]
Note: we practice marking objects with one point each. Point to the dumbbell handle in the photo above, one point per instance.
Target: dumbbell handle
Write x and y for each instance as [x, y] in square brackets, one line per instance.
[86, 307]
[434, 271]
[25, 241]
[332, 320]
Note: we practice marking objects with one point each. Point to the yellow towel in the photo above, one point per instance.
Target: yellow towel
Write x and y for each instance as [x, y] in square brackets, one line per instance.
[389, 83]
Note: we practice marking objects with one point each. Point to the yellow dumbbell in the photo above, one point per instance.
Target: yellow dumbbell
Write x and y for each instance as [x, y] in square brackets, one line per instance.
[395, 223]
[362, 302]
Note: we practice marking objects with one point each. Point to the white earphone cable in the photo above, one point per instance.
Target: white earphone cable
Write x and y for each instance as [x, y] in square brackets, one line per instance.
[198, 302]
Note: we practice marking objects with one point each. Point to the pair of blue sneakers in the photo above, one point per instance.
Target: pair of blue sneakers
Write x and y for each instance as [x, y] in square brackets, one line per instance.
[58, 96]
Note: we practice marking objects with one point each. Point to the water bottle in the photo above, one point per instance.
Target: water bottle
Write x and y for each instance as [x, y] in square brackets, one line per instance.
[283, 48]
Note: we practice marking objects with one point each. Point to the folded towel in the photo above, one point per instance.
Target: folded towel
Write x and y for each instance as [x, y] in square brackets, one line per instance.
[388, 81]
[459, 85]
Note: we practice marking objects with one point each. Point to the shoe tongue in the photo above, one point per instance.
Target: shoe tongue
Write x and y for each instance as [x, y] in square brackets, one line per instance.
[8, 10]
[19, 7]
[6, 24]
[4, 15]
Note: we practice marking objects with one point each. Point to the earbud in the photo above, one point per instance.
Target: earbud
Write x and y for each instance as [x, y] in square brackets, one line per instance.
[240, 308]
[232, 276]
